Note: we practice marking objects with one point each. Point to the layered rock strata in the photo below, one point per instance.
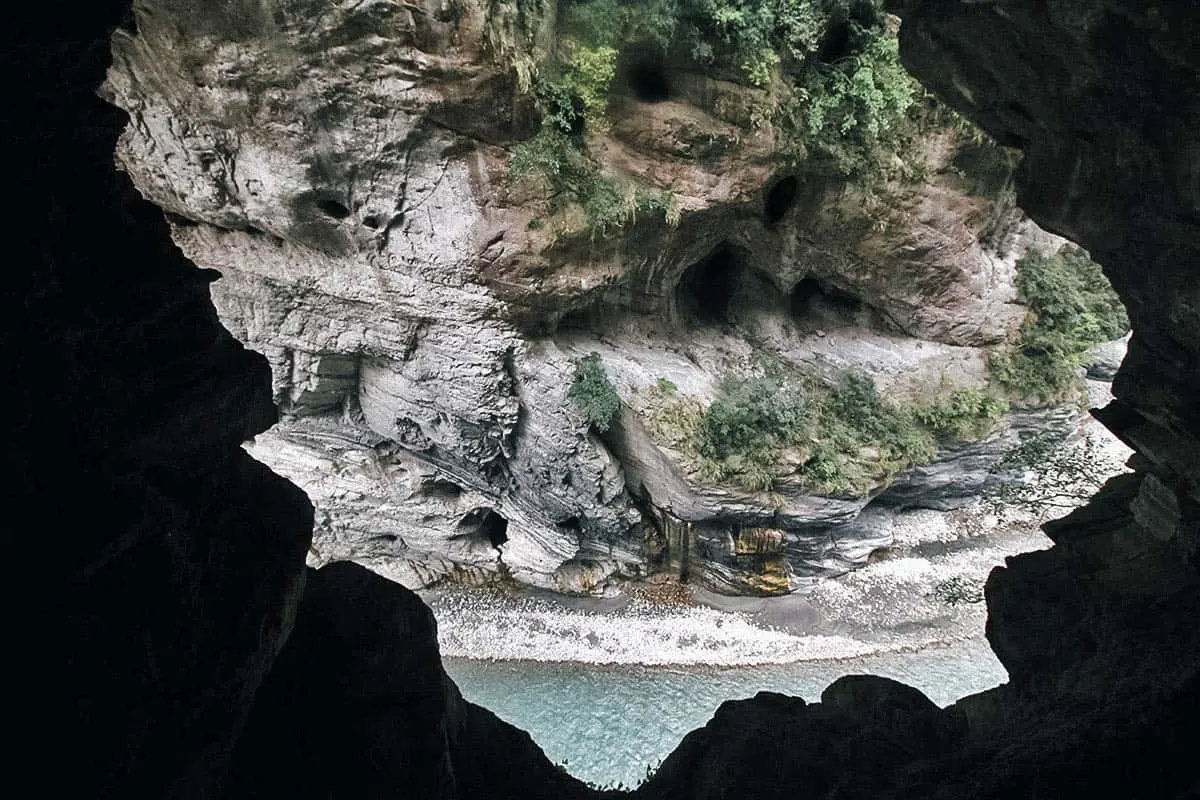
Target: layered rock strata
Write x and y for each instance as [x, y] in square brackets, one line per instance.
[345, 168]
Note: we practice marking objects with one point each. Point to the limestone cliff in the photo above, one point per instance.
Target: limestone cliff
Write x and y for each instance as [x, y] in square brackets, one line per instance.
[348, 169]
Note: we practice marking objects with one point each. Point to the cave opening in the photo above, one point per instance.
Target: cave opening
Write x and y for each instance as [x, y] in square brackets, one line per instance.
[707, 286]
[846, 37]
[781, 197]
[333, 208]
[486, 525]
[647, 79]
[725, 288]
[819, 304]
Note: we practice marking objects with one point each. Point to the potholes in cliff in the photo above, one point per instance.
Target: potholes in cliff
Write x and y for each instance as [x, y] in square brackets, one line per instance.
[723, 289]
[780, 198]
[646, 79]
[483, 524]
[850, 31]
[817, 304]
[333, 208]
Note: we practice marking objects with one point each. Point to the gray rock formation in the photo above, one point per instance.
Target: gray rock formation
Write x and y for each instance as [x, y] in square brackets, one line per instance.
[346, 173]
[1106, 359]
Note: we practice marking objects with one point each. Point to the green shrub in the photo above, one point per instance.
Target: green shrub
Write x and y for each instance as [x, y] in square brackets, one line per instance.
[847, 112]
[842, 439]
[1069, 294]
[589, 72]
[1072, 308]
[742, 434]
[966, 415]
[846, 115]
[593, 393]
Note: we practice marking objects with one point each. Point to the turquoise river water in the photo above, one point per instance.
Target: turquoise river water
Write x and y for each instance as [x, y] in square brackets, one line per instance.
[608, 688]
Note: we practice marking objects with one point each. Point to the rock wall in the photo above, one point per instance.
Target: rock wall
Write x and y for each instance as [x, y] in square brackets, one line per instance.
[345, 168]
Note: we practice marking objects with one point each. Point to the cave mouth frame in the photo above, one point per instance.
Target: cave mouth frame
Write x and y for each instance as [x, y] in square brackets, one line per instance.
[819, 304]
[334, 208]
[725, 287]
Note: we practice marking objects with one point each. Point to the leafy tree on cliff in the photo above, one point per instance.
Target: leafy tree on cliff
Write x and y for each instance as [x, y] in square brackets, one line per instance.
[593, 393]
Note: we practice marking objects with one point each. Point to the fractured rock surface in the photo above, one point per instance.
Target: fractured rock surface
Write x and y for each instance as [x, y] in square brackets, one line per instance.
[344, 167]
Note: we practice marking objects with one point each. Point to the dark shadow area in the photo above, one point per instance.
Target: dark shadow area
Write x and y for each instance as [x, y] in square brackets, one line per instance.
[706, 287]
[818, 304]
[849, 32]
[484, 524]
[647, 80]
[781, 197]
[333, 208]
[724, 288]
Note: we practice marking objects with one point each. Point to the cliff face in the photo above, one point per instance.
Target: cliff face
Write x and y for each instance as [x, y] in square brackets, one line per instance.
[347, 168]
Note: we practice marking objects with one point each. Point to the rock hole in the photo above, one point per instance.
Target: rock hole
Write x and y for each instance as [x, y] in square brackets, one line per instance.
[817, 304]
[648, 81]
[706, 287]
[333, 208]
[780, 198]
[835, 45]
[485, 524]
[571, 525]
[373, 222]
[725, 289]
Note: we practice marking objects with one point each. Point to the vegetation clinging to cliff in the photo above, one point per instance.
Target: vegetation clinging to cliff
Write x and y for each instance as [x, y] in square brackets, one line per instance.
[593, 393]
[830, 73]
[842, 438]
[1072, 308]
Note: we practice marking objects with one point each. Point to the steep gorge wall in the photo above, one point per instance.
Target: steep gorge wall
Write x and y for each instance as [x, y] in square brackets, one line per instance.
[345, 167]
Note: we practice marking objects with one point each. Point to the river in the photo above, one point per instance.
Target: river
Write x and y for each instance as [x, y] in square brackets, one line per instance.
[609, 687]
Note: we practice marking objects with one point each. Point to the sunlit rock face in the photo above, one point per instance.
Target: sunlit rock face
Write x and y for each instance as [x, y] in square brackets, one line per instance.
[345, 167]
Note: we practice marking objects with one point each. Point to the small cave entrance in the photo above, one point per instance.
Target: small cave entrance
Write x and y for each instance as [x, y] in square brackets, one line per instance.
[817, 304]
[646, 79]
[331, 207]
[848, 33]
[723, 289]
[780, 198]
[706, 288]
[484, 524]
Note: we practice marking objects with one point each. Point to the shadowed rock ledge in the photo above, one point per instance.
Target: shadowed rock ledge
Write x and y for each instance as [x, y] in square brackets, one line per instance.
[179, 568]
